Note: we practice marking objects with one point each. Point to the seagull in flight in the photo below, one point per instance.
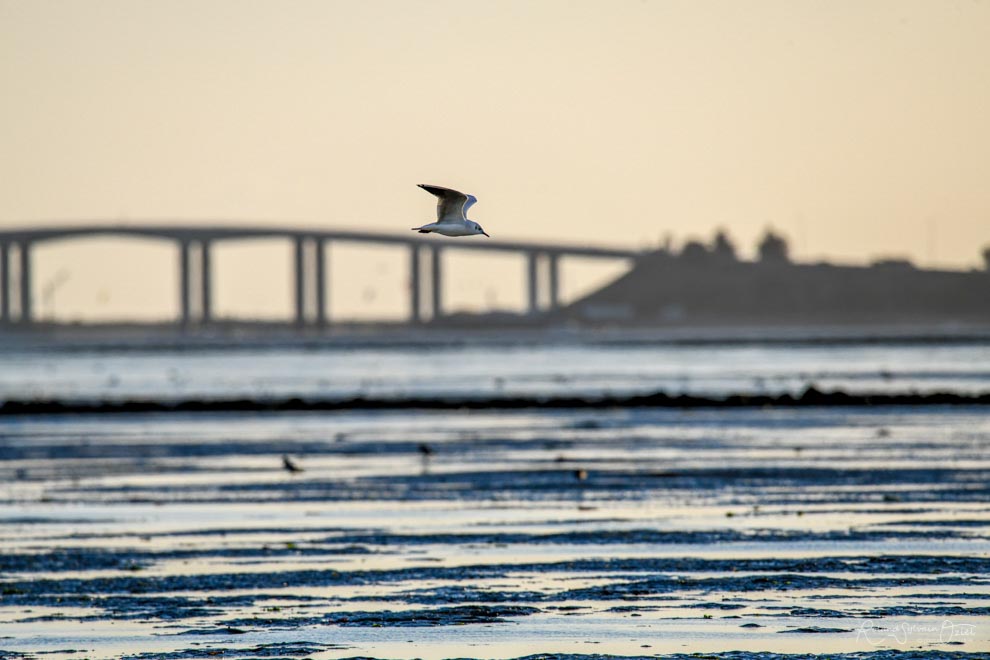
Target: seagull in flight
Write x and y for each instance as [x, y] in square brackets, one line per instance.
[452, 208]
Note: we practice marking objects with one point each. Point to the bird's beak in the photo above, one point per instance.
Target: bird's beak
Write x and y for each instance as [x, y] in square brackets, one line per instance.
[485, 233]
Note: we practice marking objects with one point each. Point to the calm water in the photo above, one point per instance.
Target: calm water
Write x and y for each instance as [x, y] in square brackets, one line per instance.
[493, 370]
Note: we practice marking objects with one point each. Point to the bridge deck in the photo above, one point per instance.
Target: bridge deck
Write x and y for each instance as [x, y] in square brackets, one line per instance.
[235, 232]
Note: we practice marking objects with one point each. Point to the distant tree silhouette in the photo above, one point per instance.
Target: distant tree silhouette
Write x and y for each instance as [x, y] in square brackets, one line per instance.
[723, 247]
[694, 251]
[773, 248]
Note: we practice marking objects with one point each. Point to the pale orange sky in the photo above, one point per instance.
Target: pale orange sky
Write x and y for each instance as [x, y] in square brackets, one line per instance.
[858, 128]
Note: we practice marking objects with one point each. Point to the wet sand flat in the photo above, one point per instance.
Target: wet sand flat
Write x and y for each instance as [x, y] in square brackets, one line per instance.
[747, 532]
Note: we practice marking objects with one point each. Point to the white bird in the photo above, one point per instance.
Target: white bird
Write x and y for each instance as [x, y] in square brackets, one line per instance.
[452, 208]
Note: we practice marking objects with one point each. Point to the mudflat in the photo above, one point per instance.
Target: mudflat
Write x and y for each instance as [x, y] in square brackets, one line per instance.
[858, 531]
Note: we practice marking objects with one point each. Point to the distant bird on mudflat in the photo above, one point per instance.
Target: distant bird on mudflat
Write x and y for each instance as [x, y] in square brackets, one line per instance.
[290, 465]
[452, 209]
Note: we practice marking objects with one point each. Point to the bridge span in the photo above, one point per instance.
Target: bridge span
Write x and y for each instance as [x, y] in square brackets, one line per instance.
[194, 244]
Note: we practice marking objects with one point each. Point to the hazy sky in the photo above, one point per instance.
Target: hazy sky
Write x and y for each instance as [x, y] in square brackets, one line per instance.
[858, 128]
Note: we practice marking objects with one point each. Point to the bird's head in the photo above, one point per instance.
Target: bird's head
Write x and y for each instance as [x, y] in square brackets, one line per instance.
[478, 229]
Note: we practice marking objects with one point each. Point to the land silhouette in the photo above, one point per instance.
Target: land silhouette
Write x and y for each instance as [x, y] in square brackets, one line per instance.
[709, 284]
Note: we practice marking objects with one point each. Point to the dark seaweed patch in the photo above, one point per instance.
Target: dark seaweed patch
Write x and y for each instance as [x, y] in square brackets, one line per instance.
[810, 397]
[784, 574]
[130, 560]
[441, 616]
[273, 650]
[293, 649]
[69, 560]
[638, 536]
[135, 607]
[555, 484]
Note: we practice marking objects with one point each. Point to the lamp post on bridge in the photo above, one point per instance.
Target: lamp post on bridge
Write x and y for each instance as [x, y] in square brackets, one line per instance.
[49, 291]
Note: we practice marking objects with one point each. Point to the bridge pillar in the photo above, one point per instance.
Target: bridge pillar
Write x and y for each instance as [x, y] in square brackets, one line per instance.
[532, 282]
[310, 273]
[436, 283]
[185, 283]
[554, 284]
[205, 301]
[25, 297]
[320, 275]
[4, 285]
[195, 282]
[415, 286]
[299, 265]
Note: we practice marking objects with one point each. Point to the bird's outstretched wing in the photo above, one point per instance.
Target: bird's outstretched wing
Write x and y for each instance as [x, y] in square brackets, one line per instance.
[471, 201]
[451, 204]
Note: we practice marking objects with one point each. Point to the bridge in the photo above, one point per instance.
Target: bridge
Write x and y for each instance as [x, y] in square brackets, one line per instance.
[194, 245]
